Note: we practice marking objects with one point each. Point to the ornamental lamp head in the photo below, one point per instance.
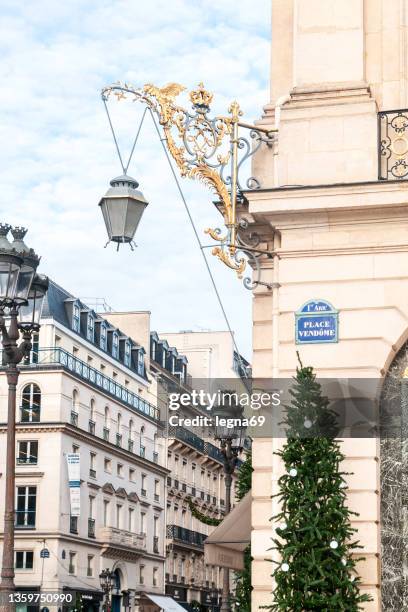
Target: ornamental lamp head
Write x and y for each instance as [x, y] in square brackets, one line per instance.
[122, 209]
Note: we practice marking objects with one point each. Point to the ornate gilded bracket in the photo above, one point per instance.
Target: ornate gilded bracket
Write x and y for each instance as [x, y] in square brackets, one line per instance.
[208, 149]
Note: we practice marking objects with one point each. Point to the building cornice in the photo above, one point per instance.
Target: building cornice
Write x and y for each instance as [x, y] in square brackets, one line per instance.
[84, 436]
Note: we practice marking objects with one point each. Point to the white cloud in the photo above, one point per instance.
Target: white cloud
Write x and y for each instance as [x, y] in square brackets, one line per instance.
[57, 155]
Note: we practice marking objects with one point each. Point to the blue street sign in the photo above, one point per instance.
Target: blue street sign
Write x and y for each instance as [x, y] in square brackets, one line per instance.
[317, 322]
[44, 553]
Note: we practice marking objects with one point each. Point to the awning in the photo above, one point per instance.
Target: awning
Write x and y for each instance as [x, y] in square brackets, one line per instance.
[226, 544]
[167, 604]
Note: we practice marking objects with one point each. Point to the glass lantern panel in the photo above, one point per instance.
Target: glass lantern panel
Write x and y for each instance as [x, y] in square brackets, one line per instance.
[25, 279]
[116, 210]
[8, 279]
[135, 210]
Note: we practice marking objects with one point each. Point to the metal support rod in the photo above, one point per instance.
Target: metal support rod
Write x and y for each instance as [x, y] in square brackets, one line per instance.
[229, 465]
[7, 570]
[13, 354]
[234, 172]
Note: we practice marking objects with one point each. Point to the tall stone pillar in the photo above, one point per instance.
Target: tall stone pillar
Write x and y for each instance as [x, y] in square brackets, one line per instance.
[340, 232]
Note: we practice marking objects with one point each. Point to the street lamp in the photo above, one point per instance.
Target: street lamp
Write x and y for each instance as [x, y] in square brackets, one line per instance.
[122, 209]
[21, 299]
[231, 441]
[106, 579]
[208, 148]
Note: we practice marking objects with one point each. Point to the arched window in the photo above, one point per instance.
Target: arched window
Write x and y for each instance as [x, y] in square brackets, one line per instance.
[155, 450]
[119, 423]
[92, 410]
[31, 404]
[142, 446]
[106, 424]
[130, 441]
[75, 400]
[107, 417]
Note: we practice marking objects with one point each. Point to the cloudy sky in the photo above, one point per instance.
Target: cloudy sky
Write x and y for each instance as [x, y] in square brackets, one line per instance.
[57, 154]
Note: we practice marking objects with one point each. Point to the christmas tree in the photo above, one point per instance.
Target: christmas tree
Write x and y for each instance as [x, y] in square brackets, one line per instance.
[316, 569]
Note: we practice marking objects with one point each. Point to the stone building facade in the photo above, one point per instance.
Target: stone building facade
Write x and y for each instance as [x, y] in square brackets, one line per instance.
[85, 390]
[332, 209]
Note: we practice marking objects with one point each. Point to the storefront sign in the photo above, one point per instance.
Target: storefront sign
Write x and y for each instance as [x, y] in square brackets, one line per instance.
[317, 322]
[74, 478]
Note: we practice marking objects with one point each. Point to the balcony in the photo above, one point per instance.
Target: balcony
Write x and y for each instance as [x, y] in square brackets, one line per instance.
[190, 438]
[392, 149]
[91, 427]
[186, 536]
[47, 357]
[156, 544]
[106, 434]
[73, 524]
[184, 435]
[91, 528]
[112, 536]
[74, 418]
[118, 439]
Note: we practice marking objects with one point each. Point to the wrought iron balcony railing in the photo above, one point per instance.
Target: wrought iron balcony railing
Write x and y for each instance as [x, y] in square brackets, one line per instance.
[91, 528]
[186, 535]
[58, 356]
[156, 544]
[91, 427]
[74, 418]
[190, 438]
[393, 144]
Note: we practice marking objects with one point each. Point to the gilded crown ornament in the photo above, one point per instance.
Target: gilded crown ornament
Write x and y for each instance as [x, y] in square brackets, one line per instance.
[201, 98]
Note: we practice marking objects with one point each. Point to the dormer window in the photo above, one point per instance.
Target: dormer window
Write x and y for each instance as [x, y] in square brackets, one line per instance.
[103, 337]
[115, 345]
[76, 318]
[127, 354]
[140, 362]
[90, 329]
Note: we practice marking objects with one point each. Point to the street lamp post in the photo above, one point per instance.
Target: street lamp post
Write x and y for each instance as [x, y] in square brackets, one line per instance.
[106, 578]
[22, 292]
[231, 441]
